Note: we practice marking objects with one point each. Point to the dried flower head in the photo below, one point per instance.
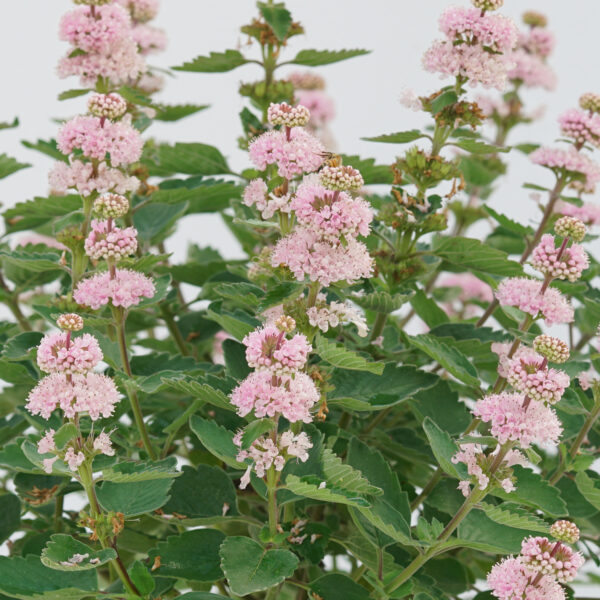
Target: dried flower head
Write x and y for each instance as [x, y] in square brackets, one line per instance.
[70, 322]
[570, 227]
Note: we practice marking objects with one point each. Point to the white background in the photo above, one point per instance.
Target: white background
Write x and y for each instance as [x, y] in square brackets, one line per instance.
[365, 89]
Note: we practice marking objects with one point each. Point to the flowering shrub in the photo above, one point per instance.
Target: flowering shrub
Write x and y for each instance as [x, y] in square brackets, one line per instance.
[372, 404]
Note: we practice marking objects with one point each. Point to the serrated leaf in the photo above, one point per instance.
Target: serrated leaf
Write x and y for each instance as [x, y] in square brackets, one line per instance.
[216, 439]
[285, 291]
[512, 515]
[10, 165]
[36, 212]
[278, 17]
[19, 346]
[315, 58]
[216, 62]
[444, 99]
[345, 477]
[190, 158]
[382, 302]
[335, 586]
[193, 555]
[508, 223]
[47, 147]
[134, 498]
[588, 489]
[312, 487]
[202, 391]
[400, 137]
[211, 195]
[130, 471]
[338, 356]
[72, 94]
[477, 147]
[62, 547]
[443, 448]
[454, 361]
[36, 262]
[175, 112]
[141, 578]
[251, 568]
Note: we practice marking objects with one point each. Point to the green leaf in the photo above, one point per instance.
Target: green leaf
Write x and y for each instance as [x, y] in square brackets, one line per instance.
[30, 451]
[371, 172]
[444, 99]
[285, 291]
[211, 195]
[65, 434]
[513, 515]
[315, 58]
[468, 253]
[47, 147]
[508, 223]
[251, 568]
[162, 287]
[36, 212]
[335, 586]
[345, 477]
[9, 125]
[454, 361]
[401, 137]
[428, 310]
[129, 471]
[443, 448]
[157, 218]
[10, 515]
[237, 323]
[255, 429]
[134, 498]
[367, 391]
[532, 490]
[216, 439]
[189, 158]
[36, 262]
[588, 489]
[202, 493]
[193, 555]
[72, 94]
[175, 112]
[27, 577]
[13, 457]
[143, 581]
[10, 165]
[477, 147]
[202, 391]
[201, 596]
[338, 356]
[278, 17]
[382, 302]
[63, 547]
[20, 346]
[311, 487]
[217, 62]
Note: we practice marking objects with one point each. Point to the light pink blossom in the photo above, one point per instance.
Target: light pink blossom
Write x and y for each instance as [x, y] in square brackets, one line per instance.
[114, 244]
[46, 444]
[320, 105]
[540, 555]
[82, 354]
[103, 444]
[268, 348]
[588, 212]
[74, 460]
[571, 264]
[529, 376]
[570, 161]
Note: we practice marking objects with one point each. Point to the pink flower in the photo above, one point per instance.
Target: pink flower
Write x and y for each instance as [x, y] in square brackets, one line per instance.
[525, 294]
[46, 444]
[47, 464]
[510, 580]
[288, 116]
[268, 395]
[90, 393]
[581, 126]
[82, 355]
[470, 454]
[573, 261]
[324, 315]
[320, 105]
[113, 244]
[149, 39]
[471, 287]
[268, 348]
[502, 350]
[570, 161]
[95, 138]
[257, 194]
[80, 175]
[95, 34]
[588, 212]
[120, 65]
[263, 452]
[301, 153]
[305, 255]
[126, 289]
[295, 445]
[328, 213]
[540, 555]
[537, 40]
[109, 106]
[542, 384]
[531, 70]
[74, 460]
[103, 444]
[510, 420]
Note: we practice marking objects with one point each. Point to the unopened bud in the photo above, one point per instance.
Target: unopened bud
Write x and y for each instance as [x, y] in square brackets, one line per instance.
[341, 178]
[110, 106]
[285, 323]
[111, 206]
[554, 349]
[287, 115]
[565, 531]
[70, 322]
[570, 227]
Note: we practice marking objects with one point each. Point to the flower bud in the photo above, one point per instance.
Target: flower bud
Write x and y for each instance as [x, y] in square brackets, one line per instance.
[111, 206]
[110, 106]
[341, 178]
[289, 116]
[554, 349]
[92, 2]
[534, 19]
[590, 102]
[70, 322]
[570, 227]
[565, 531]
[487, 4]
[285, 323]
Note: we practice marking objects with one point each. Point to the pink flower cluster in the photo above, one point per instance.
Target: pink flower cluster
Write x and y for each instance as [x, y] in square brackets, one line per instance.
[268, 348]
[324, 315]
[540, 556]
[531, 376]
[97, 138]
[59, 353]
[295, 152]
[149, 39]
[588, 212]
[568, 264]
[320, 105]
[328, 213]
[581, 126]
[102, 45]
[525, 294]
[110, 243]
[471, 289]
[570, 161]
[477, 46]
[511, 419]
[256, 193]
[529, 57]
[126, 289]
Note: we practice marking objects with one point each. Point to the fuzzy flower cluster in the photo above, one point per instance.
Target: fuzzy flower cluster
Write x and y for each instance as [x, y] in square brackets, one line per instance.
[59, 353]
[588, 212]
[97, 139]
[551, 348]
[110, 243]
[532, 377]
[477, 46]
[102, 45]
[326, 315]
[265, 453]
[471, 289]
[526, 295]
[256, 193]
[127, 288]
[590, 101]
[570, 162]
[559, 263]
[582, 127]
[540, 556]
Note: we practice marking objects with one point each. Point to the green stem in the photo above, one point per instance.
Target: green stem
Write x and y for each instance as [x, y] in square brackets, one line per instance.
[131, 393]
[58, 511]
[435, 478]
[378, 326]
[272, 500]
[313, 292]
